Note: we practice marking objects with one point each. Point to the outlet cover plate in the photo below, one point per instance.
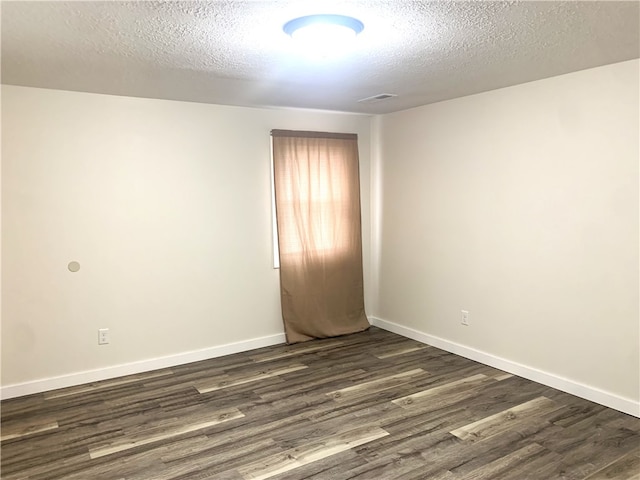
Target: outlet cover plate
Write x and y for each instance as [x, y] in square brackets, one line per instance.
[103, 336]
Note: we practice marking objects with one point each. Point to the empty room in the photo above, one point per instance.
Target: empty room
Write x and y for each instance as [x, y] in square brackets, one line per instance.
[375, 240]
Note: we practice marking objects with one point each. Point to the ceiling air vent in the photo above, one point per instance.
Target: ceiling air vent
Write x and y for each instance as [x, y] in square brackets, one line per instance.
[377, 98]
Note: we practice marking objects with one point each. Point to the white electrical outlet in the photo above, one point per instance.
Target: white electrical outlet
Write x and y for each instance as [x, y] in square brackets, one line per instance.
[103, 336]
[465, 318]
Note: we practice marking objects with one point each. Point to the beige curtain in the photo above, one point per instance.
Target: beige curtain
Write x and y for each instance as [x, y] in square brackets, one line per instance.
[317, 190]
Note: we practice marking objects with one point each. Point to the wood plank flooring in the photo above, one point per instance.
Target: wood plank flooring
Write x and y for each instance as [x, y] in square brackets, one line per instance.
[372, 405]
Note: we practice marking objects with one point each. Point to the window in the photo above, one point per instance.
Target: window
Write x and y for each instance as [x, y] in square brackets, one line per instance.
[315, 199]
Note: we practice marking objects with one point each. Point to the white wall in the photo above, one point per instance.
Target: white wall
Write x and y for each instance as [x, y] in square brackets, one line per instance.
[165, 205]
[521, 206]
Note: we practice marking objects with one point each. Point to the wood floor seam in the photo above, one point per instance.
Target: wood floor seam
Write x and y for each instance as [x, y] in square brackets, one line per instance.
[143, 439]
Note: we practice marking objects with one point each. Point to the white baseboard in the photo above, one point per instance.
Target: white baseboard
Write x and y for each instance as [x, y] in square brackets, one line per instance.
[587, 392]
[593, 394]
[79, 378]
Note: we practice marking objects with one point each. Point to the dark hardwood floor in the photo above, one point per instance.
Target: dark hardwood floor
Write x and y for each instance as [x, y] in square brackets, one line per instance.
[372, 405]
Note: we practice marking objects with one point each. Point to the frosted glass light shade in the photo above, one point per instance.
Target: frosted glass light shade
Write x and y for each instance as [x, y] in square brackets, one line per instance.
[323, 34]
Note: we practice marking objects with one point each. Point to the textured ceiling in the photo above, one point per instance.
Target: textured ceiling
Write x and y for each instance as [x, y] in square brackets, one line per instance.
[235, 52]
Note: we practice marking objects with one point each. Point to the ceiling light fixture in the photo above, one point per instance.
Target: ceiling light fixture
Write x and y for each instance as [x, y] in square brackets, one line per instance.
[323, 34]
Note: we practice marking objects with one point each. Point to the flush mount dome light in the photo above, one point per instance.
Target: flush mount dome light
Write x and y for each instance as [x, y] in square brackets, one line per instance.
[323, 34]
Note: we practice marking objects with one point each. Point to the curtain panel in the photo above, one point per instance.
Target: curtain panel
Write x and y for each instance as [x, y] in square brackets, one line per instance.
[317, 193]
